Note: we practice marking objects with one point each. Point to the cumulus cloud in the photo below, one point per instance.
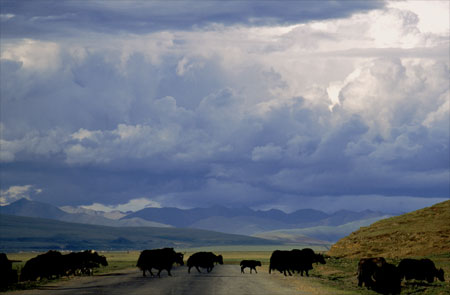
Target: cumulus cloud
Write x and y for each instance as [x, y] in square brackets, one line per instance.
[245, 111]
[17, 192]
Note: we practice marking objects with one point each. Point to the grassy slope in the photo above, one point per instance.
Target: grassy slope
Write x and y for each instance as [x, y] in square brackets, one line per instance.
[24, 233]
[419, 233]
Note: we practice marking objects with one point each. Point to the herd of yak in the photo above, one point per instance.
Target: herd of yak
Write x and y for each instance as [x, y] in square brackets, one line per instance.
[373, 273]
[386, 278]
[49, 265]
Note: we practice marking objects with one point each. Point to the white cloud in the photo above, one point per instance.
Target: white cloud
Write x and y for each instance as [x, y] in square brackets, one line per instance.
[17, 192]
[131, 205]
[432, 15]
[33, 54]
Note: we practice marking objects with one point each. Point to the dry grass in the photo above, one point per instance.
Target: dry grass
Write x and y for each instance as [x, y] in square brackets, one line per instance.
[419, 233]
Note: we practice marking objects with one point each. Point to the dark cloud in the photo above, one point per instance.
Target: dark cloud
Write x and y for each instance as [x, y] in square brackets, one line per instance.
[46, 19]
[196, 118]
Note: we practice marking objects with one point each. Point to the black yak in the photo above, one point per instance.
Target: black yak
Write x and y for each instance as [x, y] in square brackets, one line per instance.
[294, 260]
[204, 260]
[387, 279]
[366, 270]
[252, 264]
[159, 259]
[423, 269]
[83, 262]
[45, 265]
[8, 275]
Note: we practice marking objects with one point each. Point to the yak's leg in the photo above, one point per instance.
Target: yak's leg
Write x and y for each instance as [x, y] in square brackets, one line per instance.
[242, 269]
[255, 270]
[306, 272]
[198, 269]
[168, 272]
[143, 273]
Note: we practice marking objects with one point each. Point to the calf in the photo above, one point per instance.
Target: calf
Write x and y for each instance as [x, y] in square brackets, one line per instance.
[252, 264]
[423, 269]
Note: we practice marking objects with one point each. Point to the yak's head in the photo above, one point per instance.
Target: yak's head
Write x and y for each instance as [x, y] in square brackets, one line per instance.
[179, 258]
[440, 275]
[219, 259]
[320, 259]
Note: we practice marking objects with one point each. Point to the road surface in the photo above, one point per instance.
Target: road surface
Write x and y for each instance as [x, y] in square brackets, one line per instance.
[224, 279]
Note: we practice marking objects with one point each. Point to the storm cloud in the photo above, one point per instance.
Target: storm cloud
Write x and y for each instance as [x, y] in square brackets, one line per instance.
[260, 104]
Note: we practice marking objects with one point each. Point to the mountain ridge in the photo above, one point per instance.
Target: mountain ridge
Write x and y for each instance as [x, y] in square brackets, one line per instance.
[27, 208]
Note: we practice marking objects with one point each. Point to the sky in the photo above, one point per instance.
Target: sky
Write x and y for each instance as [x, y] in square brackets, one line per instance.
[266, 104]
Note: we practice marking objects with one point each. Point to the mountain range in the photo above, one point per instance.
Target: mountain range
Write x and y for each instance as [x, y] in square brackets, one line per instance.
[20, 233]
[246, 221]
[302, 225]
[27, 208]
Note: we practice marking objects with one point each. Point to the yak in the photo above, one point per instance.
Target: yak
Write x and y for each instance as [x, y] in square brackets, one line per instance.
[302, 260]
[387, 279]
[8, 275]
[54, 264]
[366, 270]
[252, 264]
[159, 259]
[378, 275]
[294, 260]
[423, 269]
[204, 260]
[280, 260]
[45, 265]
[83, 262]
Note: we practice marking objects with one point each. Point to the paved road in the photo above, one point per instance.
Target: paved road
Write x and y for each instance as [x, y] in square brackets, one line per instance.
[224, 279]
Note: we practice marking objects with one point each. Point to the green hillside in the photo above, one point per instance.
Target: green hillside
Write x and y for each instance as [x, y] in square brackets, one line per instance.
[419, 233]
[26, 234]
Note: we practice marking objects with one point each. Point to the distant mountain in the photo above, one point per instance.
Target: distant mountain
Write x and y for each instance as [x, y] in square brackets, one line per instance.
[27, 208]
[110, 215]
[345, 216]
[322, 232]
[418, 233]
[244, 221]
[24, 207]
[19, 233]
[249, 222]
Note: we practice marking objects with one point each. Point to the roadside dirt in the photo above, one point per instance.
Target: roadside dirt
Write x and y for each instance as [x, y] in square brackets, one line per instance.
[224, 279]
